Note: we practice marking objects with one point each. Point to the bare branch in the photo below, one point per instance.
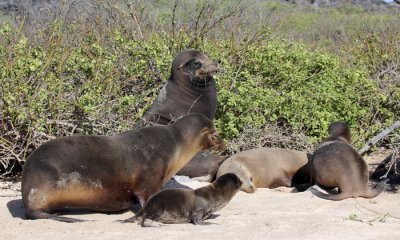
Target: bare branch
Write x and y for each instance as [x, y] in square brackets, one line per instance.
[378, 137]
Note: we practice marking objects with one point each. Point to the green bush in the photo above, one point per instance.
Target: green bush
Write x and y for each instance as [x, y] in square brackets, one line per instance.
[69, 79]
[305, 89]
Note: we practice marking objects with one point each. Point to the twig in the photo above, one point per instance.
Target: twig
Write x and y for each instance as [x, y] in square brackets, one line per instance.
[173, 23]
[392, 161]
[378, 137]
[387, 214]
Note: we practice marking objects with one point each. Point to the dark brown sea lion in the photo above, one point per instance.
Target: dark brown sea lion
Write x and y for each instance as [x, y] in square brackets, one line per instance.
[202, 167]
[189, 206]
[108, 173]
[190, 89]
[336, 163]
[265, 167]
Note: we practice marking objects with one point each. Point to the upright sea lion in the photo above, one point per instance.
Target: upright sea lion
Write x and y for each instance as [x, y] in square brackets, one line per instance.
[336, 163]
[107, 173]
[266, 167]
[190, 89]
[189, 206]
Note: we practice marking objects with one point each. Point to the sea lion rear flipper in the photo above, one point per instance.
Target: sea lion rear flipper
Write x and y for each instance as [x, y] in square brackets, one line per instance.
[379, 187]
[333, 197]
[301, 187]
[44, 215]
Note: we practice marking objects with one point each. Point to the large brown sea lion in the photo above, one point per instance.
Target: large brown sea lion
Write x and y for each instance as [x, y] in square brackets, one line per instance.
[336, 163]
[108, 173]
[189, 206]
[190, 89]
[266, 167]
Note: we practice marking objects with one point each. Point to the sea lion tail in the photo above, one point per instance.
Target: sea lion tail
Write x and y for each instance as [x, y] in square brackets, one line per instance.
[378, 189]
[43, 215]
[332, 197]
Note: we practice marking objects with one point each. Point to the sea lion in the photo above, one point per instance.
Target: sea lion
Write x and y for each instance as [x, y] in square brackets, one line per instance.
[189, 206]
[190, 89]
[266, 167]
[202, 167]
[335, 163]
[107, 173]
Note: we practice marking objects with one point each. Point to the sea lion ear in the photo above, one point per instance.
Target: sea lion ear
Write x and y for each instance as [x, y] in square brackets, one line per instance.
[181, 66]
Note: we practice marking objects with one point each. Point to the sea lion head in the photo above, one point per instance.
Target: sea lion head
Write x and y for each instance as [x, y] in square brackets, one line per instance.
[198, 123]
[194, 67]
[248, 185]
[228, 182]
[339, 129]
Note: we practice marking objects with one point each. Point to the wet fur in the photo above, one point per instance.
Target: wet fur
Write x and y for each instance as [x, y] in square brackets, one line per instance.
[336, 163]
[173, 206]
[110, 173]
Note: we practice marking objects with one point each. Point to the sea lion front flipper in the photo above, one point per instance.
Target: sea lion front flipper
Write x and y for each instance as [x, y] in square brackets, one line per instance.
[129, 220]
[199, 215]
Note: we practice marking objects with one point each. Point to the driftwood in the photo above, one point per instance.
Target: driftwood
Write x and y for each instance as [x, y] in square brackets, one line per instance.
[378, 137]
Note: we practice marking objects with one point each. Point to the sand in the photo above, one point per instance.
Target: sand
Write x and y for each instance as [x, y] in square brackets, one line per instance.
[267, 214]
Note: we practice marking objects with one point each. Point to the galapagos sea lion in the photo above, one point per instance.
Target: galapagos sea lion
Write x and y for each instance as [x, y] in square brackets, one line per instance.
[335, 163]
[189, 206]
[202, 167]
[190, 89]
[107, 173]
[266, 167]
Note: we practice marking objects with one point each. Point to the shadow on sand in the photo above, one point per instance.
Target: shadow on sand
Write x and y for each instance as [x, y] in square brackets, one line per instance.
[16, 208]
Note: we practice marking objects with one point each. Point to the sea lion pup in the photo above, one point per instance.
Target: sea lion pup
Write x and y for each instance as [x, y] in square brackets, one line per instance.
[189, 206]
[265, 167]
[108, 173]
[336, 163]
[190, 89]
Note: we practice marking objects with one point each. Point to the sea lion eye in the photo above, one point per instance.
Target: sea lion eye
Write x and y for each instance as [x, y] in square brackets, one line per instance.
[197, 65]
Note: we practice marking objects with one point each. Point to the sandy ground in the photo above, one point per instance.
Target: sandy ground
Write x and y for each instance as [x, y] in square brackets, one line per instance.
[266, 214]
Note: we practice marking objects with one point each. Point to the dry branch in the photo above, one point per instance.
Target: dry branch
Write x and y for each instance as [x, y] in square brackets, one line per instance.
[378, 137]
